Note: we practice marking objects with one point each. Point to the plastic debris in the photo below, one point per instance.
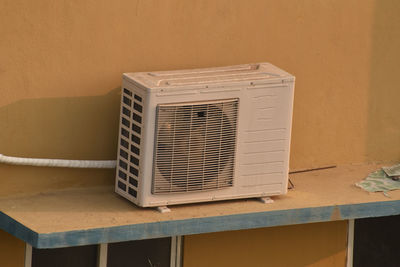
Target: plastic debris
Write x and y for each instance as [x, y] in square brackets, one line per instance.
[382, 180]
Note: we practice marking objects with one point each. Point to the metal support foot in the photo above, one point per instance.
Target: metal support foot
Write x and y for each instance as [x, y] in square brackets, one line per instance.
[266, 200]
[163, 209]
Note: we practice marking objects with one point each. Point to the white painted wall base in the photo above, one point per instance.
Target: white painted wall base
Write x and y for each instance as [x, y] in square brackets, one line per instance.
[350, 243]
[176, 249]
[28, 255]
[102, 255]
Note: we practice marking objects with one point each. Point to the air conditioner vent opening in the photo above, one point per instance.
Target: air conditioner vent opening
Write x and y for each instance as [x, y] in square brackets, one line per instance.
[195, 146]
[130, 140]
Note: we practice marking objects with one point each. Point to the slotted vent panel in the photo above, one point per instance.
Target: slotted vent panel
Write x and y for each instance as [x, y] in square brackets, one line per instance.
[195, 146]
[129, 144]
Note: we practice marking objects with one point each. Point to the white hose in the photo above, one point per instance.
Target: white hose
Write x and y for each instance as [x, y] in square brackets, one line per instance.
[106, 164]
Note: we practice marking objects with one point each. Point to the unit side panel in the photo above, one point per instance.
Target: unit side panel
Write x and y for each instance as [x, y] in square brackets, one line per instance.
[265, 139]
[129, 171]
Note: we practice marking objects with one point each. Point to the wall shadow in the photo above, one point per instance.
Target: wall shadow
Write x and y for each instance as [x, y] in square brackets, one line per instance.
[66, 128]
[383, 138]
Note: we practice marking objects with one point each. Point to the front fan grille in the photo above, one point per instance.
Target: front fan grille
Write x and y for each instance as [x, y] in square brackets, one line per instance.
[195, 146]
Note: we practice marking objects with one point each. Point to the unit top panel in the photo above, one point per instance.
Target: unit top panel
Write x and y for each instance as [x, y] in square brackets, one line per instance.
[195, 78]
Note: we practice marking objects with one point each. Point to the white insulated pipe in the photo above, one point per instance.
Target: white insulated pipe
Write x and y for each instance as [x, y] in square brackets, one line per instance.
[99, 164]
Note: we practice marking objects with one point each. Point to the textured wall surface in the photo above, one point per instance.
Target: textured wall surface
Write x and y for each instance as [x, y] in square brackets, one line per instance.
[318, 244]
[61, 65]
[383, 132]
[60, 72]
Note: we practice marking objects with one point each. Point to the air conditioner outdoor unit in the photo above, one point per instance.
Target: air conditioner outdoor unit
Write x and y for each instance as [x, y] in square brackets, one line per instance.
[204, 134]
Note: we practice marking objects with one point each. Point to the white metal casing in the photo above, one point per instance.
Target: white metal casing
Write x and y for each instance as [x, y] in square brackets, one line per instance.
[265, 95]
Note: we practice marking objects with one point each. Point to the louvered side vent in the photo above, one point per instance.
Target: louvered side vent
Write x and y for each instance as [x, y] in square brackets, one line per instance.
[130, 142]
[195, 146]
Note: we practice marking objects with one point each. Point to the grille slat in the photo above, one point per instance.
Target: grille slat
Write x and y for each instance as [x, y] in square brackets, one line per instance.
[195, 146]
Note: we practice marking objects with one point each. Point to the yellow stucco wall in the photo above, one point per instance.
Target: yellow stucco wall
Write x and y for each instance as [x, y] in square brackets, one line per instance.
[383, 131]
[61, 65]
[12, 251]
[318, 244]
